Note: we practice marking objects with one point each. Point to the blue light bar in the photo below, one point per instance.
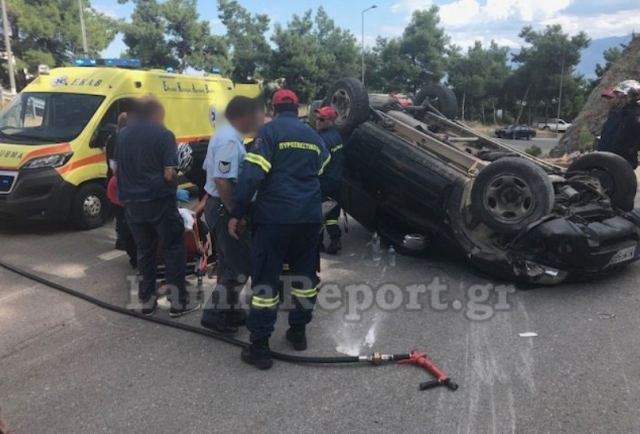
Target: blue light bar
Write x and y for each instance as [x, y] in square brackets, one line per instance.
[84, 62]
[216, 70]
[120, 63]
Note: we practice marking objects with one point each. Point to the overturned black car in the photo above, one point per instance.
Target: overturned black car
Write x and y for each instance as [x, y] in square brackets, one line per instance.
[416, 176]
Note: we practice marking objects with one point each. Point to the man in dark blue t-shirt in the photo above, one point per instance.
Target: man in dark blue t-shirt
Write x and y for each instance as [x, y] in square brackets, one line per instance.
[147, 162]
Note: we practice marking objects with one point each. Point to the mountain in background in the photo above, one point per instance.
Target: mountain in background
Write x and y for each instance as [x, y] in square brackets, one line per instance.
[593, 55]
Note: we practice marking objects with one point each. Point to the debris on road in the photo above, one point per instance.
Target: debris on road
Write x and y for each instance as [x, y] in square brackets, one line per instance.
[528, 334]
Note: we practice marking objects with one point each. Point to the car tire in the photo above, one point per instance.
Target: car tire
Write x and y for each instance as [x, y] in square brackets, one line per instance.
[90, 207]
[614, 173]
[350, 99]
[441, 97]
[510, 194]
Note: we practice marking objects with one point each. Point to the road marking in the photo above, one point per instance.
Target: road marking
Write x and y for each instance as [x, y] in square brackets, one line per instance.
[111, 254]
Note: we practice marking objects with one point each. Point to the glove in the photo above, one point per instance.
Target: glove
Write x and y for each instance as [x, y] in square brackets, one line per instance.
[182, 195]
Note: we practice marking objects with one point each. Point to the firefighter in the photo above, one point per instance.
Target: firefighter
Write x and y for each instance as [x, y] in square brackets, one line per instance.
[331, 179]
[283, 167]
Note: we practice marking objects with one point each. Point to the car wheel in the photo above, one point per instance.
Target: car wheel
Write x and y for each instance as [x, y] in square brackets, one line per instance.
[614, 173]
[510, 194]
[440, 97]
[90, 207]
[350, 99]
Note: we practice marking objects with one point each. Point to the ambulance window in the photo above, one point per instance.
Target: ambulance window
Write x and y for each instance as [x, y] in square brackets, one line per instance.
[111, 117]
[34, 116]
[117, 107]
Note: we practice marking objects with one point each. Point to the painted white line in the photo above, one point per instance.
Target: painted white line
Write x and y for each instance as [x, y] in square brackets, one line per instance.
[111, 254]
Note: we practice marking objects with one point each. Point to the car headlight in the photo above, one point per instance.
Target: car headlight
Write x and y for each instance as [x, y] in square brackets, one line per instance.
[55, 160]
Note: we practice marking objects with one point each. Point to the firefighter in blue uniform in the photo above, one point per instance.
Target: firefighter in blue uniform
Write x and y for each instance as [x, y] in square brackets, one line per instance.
[283, 167]
[331, 179]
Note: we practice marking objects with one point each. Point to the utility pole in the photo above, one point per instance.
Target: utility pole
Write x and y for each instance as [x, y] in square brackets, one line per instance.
[362, 48]
[560, 92]
[82, 29]
[6, 29]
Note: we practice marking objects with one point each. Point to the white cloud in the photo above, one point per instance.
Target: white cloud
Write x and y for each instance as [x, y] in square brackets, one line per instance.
[619, 23]
[460, 12]
[466, 12]
[467, 21]
[410, 5]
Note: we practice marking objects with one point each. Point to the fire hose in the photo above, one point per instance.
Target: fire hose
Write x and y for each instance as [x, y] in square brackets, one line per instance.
[375, 359]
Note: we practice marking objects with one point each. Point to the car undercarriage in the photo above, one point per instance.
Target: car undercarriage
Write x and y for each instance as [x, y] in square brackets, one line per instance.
[419, 178]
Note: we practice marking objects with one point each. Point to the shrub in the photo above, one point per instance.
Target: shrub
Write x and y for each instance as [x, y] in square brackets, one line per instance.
[534, 151]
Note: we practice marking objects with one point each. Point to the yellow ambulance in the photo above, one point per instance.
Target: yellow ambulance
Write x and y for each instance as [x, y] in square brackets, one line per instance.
[53, 134]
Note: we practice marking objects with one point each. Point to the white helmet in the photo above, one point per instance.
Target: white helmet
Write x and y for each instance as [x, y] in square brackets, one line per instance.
[185, 157]
[630, 88]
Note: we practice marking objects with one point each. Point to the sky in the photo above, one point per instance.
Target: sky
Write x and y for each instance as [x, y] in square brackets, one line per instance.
[464, 20]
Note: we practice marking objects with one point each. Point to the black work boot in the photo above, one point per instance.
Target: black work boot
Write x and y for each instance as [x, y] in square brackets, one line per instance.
[258, 354]
[334, 246]
[298, 338]
[218, 321]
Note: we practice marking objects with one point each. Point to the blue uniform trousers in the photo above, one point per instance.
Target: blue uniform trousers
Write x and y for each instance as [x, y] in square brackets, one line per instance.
[272, 245]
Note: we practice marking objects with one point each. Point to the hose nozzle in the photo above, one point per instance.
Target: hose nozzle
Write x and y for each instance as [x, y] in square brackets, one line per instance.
[377, 358]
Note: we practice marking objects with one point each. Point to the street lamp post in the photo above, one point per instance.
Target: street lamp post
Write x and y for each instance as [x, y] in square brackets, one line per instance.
[7, 46]
[85, 48]
[363, 12]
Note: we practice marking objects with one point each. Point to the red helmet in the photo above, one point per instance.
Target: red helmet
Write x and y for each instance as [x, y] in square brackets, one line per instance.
[327, 113]
[284, 96]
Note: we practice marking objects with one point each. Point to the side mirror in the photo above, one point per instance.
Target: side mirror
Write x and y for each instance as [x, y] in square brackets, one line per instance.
[102, 136]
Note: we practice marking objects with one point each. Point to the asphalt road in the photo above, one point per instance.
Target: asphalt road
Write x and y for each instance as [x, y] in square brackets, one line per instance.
[545, 144]
[69, 367]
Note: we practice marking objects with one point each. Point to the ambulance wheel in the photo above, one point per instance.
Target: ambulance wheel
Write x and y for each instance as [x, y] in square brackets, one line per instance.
[90, 207]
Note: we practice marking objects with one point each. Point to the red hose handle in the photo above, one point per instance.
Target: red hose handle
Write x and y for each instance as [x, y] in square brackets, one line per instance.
[421, 359]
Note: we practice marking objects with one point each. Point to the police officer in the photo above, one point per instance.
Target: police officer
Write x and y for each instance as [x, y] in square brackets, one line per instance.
[331, 179]
[223, 164]
[282, 166]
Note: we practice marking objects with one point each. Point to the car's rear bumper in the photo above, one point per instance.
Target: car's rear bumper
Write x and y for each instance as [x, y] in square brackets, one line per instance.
[39, 194]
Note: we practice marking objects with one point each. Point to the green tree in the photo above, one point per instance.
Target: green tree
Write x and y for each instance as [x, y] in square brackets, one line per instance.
[478, 78]
[48, 32]
[171, 34]
[424, 43]
[387, 69]
[144, 35]
[549, 59]
[611, 56]
[338, 53]
[406, 63]
[311, 52]
[246, 38]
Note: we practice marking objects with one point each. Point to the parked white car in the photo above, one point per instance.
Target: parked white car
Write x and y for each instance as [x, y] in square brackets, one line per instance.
[554, 125]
